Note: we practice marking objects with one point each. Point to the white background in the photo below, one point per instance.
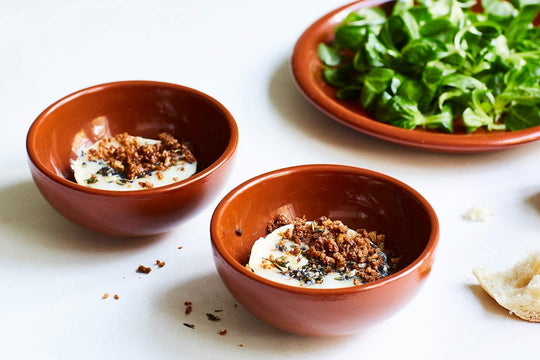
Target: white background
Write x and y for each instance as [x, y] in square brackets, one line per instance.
[53, 273]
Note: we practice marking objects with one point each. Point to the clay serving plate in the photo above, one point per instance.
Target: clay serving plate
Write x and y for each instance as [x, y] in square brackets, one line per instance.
[361, 199]
[142, 108]
[307, 73]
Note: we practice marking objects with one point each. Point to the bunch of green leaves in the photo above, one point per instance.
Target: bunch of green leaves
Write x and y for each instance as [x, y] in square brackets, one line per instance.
[434, 63]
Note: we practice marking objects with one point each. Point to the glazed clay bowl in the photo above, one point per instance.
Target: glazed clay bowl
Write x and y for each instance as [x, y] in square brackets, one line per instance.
[142, 108]
[358, 197]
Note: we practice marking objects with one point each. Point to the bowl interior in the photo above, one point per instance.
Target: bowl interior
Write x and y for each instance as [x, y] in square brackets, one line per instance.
[138, 108]
[359, 198]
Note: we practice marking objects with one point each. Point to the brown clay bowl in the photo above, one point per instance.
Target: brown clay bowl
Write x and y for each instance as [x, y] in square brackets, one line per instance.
[143, 108]
[307, 74]
[361, 199]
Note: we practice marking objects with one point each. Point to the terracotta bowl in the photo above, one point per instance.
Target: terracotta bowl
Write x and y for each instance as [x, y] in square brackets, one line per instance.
[361, 199]
[143, 108]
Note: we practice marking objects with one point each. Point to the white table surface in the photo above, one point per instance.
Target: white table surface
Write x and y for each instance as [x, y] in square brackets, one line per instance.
[53, 273]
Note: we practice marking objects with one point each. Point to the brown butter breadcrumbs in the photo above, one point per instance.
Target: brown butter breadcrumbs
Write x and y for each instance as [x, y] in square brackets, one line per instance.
[160, 263]
[188, 306]
[278, 222]
[116, 297]
[330, 245]
[146, 184]
[143, 269]
[105, 296]
[131, 159]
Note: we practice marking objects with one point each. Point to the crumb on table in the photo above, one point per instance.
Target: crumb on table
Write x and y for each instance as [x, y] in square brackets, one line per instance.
[143, 269]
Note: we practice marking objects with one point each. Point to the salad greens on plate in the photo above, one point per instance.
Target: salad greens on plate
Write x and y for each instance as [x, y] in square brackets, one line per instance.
[437, 64]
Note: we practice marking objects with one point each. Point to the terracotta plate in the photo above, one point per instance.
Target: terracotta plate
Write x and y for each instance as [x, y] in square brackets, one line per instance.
[306, 71]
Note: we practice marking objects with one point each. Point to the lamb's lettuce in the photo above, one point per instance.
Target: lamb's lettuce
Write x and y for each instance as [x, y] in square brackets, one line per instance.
[429, 63]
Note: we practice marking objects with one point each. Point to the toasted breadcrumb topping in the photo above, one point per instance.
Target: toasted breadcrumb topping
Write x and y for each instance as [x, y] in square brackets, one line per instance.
[131, 159]
[330, 245]
[143, 269]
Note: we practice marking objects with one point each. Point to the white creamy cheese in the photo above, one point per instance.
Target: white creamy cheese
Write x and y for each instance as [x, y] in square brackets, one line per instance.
[84, 169]
[269, 248]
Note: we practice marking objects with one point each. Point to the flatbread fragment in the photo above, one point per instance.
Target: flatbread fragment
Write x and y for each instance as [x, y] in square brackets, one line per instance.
[516, 289]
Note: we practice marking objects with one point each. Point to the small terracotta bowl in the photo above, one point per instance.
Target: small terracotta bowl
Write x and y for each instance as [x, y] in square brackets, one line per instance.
[142, 108]
[358, 197]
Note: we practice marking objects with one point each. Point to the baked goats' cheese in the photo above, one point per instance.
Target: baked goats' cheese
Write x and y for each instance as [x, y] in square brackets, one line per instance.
[319, 254]
[126, 162]
[517, 289]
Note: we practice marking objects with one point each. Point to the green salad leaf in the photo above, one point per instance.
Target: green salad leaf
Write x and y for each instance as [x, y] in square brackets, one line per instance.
[437, 64]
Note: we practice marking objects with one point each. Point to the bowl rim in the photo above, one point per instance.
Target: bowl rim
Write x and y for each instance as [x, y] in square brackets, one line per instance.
[227, 154]
[422, 261]
[304, 53]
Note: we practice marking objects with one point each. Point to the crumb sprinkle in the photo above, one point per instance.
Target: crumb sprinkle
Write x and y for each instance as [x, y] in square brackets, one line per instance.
[212, 317]
[143, 269]
[128, 157]
[330, 246]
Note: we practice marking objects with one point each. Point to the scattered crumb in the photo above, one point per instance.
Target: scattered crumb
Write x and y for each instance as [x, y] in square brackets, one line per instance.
[517, 289]
[191, 326]
[146, 184]
[106, 295]
[212, 317]
[241, 345]
[477, 213]
[188, 306]
[143, 269]
[235, 305]
[160, 263]
[223, 332]
[180, 247]
[116, 297]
